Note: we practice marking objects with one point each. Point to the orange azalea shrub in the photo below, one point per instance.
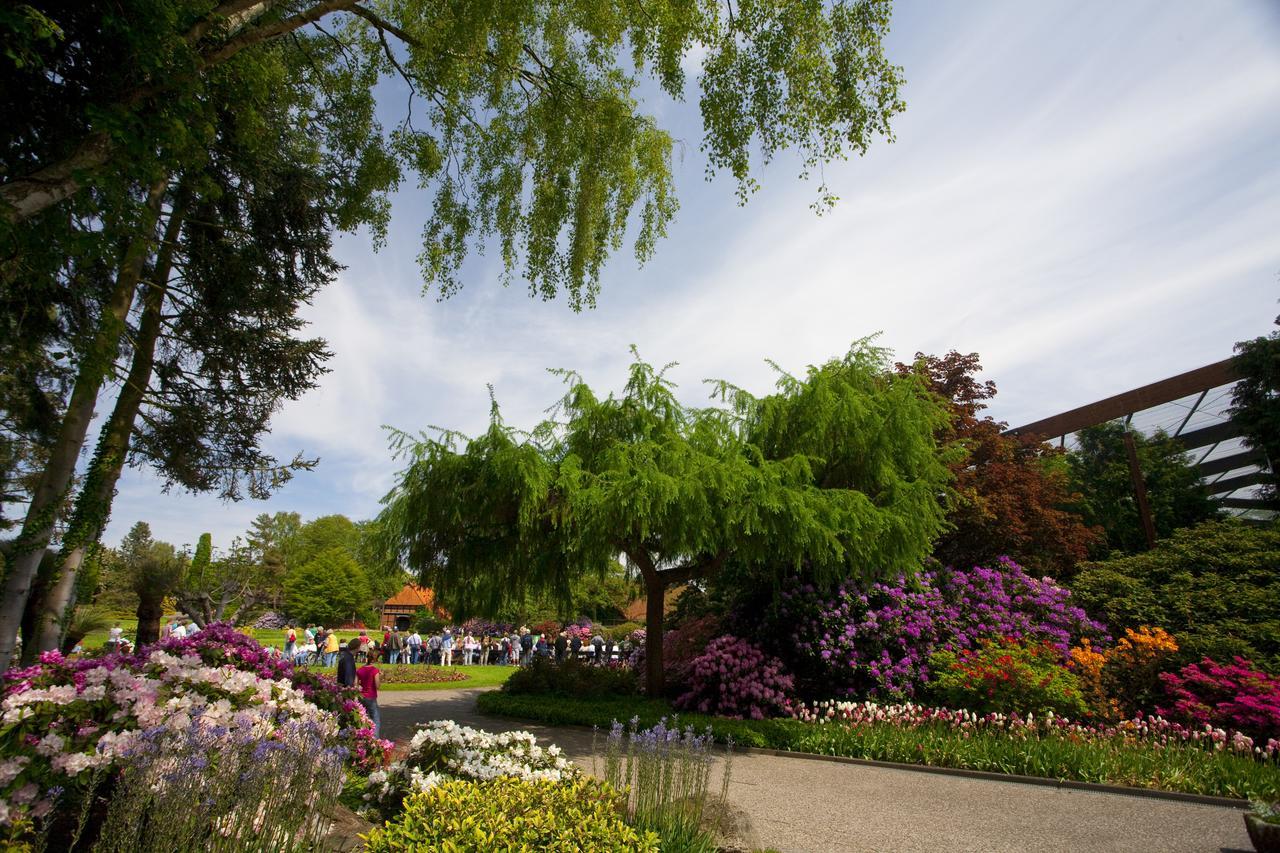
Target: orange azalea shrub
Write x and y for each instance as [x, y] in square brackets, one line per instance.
[1125, 679]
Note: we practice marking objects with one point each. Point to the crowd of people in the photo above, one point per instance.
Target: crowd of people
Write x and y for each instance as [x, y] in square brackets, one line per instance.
[317, 645]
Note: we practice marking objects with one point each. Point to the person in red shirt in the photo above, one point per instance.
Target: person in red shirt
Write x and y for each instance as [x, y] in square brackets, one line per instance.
[369, 678]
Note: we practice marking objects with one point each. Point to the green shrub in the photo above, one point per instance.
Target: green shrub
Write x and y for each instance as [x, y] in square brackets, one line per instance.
[621, 631]
[1006, 676]
[1215, 587]
[571, 678]
[510, 814]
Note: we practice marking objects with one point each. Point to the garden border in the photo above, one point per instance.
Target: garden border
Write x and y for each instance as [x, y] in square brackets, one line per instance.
[1042, 781]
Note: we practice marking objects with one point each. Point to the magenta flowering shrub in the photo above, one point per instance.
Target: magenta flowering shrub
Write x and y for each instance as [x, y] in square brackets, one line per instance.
[218, 644]
[735, 678]
[583, 631]
[877, 641]
[1225, 696]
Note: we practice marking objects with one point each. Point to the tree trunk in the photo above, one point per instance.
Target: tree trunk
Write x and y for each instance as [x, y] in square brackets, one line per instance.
[56, 478]
[655, 606]
[93, 505]
[35, 607]
[150, 609]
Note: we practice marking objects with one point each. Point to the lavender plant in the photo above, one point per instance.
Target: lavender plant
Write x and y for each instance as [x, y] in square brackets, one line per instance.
[666, 774]
[224, 789]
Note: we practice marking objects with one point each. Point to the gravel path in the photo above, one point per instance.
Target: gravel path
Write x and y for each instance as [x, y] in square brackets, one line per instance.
[804, 806]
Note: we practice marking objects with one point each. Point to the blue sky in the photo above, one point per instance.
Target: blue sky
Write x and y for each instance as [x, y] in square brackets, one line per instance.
[1085, 193]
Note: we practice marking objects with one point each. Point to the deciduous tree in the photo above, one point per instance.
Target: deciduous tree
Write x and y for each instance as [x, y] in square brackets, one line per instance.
[837, 471]
[1012, 494]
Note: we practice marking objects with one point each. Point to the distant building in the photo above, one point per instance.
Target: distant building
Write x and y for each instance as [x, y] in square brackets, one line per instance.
[401, 610]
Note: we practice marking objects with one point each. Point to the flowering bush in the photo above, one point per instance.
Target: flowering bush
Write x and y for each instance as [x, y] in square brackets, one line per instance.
[1234, 696]
[221, 645]
[583, 631]
[443, 750]
[486, 628]
[735, 678]
[1119, 682]
[878, 642]
[254, 794]
[681, 646]
[271, 621]
[1006, 675]
[548, 629]
[63, 719]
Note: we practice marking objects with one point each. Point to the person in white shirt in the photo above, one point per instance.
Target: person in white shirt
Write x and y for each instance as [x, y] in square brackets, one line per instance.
[113, 637]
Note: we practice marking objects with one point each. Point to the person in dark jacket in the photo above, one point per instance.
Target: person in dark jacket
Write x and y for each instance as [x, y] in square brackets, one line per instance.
[347, 664]
[562, 646]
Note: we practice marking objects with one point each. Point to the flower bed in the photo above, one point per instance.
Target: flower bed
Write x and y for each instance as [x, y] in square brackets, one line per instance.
[443, 750]
[68, 725]
[1144, 753]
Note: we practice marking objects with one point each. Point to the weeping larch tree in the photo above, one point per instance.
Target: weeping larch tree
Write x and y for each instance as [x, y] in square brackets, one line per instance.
[837, 472]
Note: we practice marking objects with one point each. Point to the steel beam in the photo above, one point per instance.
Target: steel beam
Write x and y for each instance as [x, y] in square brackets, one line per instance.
[1232, 483]
[1155, 394]
[1247, 459]
[1205, 436]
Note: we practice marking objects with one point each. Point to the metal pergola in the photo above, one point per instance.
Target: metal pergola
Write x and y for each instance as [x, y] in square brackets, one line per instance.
[1191, 407]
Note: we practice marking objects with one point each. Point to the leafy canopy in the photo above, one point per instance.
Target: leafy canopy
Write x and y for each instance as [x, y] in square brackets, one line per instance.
[526, 123]
[838, 471]
[330, 589]
[1100, 474]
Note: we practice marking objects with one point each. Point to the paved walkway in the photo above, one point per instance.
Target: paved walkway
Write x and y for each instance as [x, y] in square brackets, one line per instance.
[804, 806]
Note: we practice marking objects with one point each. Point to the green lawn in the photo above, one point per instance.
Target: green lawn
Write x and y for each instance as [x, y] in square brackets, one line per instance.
[398, 677]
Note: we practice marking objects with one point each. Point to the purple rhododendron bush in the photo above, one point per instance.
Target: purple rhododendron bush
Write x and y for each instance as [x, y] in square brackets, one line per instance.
[877, 641]
[1227, 696]
[69, 728]
[735, 678]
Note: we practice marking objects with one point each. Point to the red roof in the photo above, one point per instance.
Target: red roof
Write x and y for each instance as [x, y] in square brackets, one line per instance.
[412, 596]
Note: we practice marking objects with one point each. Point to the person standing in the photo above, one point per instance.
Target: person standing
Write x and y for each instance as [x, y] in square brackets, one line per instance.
[446, 649]
[415, 646]
[394, 645]
[370, 677]
[347, 664]
[113, 637]
[526, 645]
[597, 644]
[575, 646]
[290, 642]
[562, 646]
[331, 644]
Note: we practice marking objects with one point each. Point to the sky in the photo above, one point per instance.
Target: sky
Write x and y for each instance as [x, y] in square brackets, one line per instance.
[1086, 193]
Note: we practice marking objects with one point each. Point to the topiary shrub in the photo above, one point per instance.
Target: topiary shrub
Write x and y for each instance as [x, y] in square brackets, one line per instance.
[512, 814]
[1225, 696]
[572, 678]
[1005, 676]
[735, 678]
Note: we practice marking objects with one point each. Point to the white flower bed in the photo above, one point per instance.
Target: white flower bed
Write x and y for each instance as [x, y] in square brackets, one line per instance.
[442, 750]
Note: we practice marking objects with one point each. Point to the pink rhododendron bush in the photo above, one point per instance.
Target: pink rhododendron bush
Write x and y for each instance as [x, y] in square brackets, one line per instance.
[1235, 695]
[73, 733]
[735, 678]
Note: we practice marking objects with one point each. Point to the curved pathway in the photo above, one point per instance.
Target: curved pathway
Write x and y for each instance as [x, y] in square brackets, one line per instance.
[803, 806]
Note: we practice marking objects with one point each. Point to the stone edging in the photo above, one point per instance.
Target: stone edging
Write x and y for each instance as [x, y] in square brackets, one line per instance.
[1096, 787]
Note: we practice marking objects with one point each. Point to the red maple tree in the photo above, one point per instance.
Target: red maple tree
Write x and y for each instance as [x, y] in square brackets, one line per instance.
[1012, 493]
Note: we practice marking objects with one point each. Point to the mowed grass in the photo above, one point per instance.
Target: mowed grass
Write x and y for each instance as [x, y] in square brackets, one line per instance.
[398, 676]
